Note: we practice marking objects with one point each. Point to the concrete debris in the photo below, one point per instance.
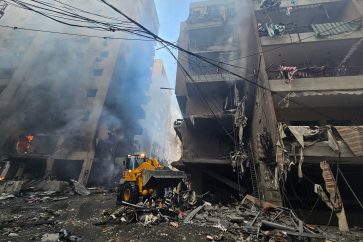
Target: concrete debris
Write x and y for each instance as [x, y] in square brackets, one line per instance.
[80, 189]
[194, 212]
[65, 235]
[5, 196]
[155, 219]
[174, 224]
[50, 237]
[259, 220]
[215, 237]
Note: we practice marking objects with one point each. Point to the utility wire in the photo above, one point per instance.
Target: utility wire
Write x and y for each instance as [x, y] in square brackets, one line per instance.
[149, 34]
[350, 188]
[71, 34]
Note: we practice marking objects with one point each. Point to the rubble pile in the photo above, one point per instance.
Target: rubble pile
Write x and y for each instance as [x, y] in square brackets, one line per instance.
[248, 220]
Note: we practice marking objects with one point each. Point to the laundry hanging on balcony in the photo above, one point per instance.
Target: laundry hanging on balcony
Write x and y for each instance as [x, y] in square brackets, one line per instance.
[327, 29]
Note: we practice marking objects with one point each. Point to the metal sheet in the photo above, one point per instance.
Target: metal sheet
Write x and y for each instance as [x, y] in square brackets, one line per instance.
[335, 28]
[353, 137]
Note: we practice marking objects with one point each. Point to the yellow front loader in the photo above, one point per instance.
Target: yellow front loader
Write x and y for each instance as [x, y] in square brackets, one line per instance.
[143, 177]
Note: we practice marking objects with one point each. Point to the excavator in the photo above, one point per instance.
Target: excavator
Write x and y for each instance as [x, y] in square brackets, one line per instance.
[143, 177]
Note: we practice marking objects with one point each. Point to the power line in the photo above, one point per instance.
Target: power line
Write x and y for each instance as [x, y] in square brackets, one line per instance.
[149, 34]
[204, 98]
[350, 188]
[71, 34]
[206, 60]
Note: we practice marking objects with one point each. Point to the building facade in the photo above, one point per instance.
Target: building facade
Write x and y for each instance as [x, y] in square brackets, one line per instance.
[159, 139]
[216, 105]
[312, 60]
[299, 66]
[70, 104]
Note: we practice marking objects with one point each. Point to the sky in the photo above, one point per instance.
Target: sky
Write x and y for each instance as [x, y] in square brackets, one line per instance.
[170, 13]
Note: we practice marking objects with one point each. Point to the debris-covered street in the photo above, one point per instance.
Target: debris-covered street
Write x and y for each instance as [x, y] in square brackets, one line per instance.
[43, 220]
[48, 216]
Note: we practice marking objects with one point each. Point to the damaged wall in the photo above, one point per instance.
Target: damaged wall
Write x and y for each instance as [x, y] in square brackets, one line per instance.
[159, 139]
[57, 85]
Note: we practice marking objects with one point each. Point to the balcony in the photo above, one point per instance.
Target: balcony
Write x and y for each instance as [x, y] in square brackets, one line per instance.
[306, 12]
[319, 79]
[214, 47]
[205, 23]
[310, 38]
[321, 143]
[286, 3]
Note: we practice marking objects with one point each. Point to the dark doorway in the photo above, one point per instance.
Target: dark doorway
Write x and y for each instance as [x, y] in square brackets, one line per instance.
[65, 170]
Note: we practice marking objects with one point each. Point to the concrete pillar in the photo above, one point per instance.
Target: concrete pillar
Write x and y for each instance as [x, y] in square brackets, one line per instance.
[6, 169]
[20, 171]
[197, 181]
[49, 168]
[86, 168]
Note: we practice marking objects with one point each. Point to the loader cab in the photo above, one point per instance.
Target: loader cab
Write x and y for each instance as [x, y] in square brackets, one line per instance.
[133, 161]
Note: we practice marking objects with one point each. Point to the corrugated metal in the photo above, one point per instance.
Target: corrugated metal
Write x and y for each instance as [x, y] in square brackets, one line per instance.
[335, 28]
[353, 137]
[328, 93]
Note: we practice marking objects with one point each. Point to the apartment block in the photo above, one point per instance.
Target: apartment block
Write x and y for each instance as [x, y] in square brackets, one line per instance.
[312, 60]
[70, 104]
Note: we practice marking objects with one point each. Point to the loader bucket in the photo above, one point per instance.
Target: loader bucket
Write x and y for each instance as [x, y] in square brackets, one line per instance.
[161, 178]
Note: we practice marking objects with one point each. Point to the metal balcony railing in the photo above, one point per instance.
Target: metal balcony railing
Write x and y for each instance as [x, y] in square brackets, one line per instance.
[315, 72]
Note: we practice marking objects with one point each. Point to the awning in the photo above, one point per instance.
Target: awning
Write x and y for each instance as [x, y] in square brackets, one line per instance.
[353, 137]
[327, 93]
[335, 28]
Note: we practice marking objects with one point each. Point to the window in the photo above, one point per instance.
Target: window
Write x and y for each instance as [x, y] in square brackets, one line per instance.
[104, 54]
[344, 122]
[6, 73]
[305, 123]
[97, 72]
[2, 87]
[91, 92]
[85, 116]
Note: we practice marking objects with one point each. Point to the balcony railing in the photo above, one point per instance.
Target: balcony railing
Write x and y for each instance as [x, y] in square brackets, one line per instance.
[315, 72]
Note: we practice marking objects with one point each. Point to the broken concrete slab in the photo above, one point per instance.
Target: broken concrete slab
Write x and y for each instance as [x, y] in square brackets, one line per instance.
[259, 202]
[5, 196]
[13, 187]
[194, 212]
[50, 237]
[80, 189]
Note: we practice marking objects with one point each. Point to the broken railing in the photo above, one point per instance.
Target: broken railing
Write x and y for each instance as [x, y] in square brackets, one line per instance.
[315, 72]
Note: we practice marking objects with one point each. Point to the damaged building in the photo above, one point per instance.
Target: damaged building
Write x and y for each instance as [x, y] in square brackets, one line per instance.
[70, 104]
[213, 102]
[312, 58]
[291, 118]
[159, 138]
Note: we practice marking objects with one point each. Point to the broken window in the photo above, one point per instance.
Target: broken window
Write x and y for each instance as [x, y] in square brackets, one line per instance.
[85, 116]
[6, 73]
[97, 72]
[343, 122]
[104, 54]
[2, 87]
[65, 170]
[305, 123]
[91, 92]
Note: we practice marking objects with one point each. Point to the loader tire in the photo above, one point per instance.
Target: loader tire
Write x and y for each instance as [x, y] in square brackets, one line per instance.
[130, 192]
